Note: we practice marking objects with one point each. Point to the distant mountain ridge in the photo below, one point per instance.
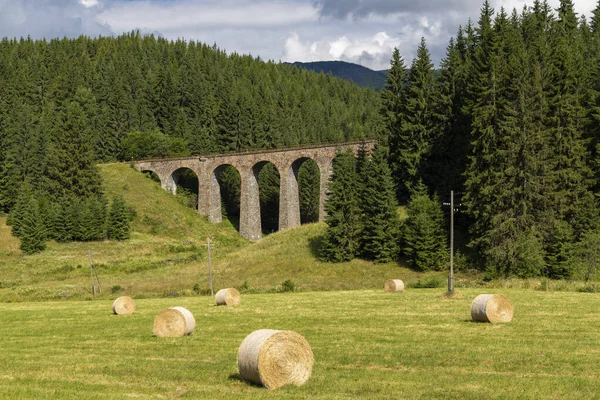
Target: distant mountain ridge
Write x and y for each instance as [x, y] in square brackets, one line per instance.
[358, 74]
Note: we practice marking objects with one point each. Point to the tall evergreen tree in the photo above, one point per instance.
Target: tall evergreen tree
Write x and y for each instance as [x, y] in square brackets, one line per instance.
[31, 231]
[71, 170]
[570, 177]
[392, 110]
[423, 236]
[419, 123]
[485, 105]
[446, 164]
[379, 210]
[118, 225]
[309, 191]
[340, 242]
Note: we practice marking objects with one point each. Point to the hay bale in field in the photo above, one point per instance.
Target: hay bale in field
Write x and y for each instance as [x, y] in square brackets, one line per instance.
[124, 305]
[174, 322]
[275, 358]
[228, 297]
[394, 285]
[492, 308]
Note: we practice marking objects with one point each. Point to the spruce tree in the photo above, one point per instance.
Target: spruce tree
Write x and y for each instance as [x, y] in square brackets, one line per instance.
[570, 177]
[118, 223]
[593, 99]
[423, 235]
[19, 211]
[379, 210]
[340, 242]
[71, 169]
[448, 159]
[392, 111]
[419, 124]
[485, 103]
[31, 231]
[309, 191]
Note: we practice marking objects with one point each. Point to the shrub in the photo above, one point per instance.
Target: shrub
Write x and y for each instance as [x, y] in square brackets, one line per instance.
[429, 282]
[115, 289]
[244, 287]
[287, 286]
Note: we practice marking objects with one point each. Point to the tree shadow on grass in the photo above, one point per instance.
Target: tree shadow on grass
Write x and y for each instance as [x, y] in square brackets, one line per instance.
[314, 244]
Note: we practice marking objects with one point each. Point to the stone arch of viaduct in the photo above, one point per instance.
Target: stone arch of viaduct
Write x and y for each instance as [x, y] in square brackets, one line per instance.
[287, 162]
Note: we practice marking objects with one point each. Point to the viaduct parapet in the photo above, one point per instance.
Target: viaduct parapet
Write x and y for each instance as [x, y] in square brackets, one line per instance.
[287, 161]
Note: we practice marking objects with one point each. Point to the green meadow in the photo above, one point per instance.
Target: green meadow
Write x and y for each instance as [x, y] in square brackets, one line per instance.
[367, 344]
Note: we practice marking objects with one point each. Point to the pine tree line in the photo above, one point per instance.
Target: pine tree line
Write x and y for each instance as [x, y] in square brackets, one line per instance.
[363, 221]
[35, 221]
[511, 121]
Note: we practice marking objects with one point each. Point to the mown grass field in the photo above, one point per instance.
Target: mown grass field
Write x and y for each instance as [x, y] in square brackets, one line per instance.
[367, 344]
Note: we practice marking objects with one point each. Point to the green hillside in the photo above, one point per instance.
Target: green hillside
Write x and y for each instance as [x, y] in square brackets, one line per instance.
[166, 257]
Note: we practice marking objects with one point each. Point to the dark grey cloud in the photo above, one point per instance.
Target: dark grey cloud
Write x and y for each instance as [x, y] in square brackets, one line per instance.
[363, 8]
[48, 19]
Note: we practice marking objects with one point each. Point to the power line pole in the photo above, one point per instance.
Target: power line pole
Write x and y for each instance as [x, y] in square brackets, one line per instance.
[452, 209]
[451, 276]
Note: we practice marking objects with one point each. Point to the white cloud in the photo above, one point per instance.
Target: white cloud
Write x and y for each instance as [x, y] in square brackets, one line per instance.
[49, 18]
[373, 52]
[181, 15]
[89, 3]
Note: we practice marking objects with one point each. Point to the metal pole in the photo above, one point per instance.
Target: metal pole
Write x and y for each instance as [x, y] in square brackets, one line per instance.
[451, 276]
[209, 269]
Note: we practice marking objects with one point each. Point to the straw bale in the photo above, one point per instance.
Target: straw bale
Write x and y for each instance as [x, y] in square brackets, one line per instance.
[275, 358]
[190, 321]
[492, 308]
[228, 297]
[394, 285]
[124, 305]
[174, 322]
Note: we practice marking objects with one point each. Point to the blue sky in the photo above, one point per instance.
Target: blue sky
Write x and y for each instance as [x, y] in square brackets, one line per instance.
[360, 31]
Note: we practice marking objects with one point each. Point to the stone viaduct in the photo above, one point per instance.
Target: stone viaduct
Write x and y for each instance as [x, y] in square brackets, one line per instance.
[287, 161]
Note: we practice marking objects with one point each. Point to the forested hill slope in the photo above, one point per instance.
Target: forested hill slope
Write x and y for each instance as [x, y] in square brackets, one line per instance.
[184, 98]
[358, 74]
[212, 100]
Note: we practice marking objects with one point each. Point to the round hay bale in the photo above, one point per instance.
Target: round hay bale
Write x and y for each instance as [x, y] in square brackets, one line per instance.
[228, 297]
[491, 308]
[174, 322]
[124, 305]
[275, 358]
[190, 321]
[394, 285]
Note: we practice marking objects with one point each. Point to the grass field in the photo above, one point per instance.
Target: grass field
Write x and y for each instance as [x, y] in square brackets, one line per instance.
[367, 344]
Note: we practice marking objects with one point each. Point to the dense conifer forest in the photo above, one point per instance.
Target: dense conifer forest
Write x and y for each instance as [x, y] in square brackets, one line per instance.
[67, 104]
[511, 123]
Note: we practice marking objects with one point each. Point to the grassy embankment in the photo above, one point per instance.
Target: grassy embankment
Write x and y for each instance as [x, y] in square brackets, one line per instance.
[166, 255]
[367, 344]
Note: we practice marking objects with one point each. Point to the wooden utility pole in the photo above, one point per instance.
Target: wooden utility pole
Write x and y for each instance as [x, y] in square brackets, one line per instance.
[94, 269]
[92, 273]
